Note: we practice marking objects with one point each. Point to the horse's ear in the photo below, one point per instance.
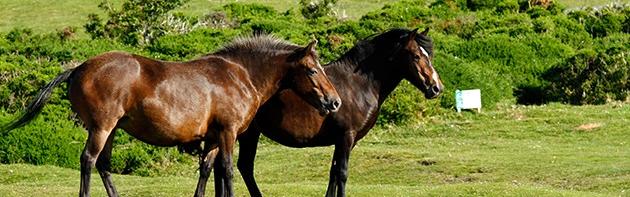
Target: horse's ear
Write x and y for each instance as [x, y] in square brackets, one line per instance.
[412, 35]
[311, 46]
[425, 32]
[303, 52]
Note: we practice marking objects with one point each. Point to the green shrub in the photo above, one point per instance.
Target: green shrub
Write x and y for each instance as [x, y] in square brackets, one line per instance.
[191, 45]
[316, 9]
[405, 105]
[538, 11]
[507, 6]
[569, 31]
[604, 21]
[136, 22]
[249, 11]
[399, 14]
[457, 74]
[131, 156]
[402, 106]
[514, 25]
[590, 77]
[543, 25]
[616, 40]
[51, 139]
[499, 5]
[453, 5]
[605, 24]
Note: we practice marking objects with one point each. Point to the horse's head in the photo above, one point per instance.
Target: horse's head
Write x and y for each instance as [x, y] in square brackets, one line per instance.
[309, 80]
[415, 58]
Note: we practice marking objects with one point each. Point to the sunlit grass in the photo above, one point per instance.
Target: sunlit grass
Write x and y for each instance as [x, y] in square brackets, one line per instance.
[553, 150]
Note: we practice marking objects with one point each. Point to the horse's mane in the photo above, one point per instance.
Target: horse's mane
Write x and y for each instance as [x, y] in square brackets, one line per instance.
[261, 43]
[385, 43]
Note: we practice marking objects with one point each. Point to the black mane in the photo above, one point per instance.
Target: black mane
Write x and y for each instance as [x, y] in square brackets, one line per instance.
[387, 43]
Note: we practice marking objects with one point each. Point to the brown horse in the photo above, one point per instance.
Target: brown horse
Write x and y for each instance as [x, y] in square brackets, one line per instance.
[364, 77]
[211, 100]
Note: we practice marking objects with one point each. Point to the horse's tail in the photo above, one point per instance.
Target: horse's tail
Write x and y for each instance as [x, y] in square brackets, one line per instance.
[37, 104]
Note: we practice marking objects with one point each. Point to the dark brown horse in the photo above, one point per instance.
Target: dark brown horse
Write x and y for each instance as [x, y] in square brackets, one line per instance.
[364, 77]
[211, 99]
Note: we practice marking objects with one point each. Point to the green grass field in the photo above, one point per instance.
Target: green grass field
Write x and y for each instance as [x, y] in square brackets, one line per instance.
[48, 16]
[553, 150]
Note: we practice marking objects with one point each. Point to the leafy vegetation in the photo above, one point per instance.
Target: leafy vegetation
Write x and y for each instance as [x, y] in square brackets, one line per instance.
[136, 22]
[315, 9]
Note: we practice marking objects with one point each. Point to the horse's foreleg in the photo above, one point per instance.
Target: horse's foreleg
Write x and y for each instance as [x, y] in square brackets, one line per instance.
[248, 143]
[97, 138]
[339, 168]
[227, 139]
[103, 165]
[332, 178]
[205, 167]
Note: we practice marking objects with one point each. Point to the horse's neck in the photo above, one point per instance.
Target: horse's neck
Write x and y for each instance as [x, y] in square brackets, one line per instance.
[369, 79]
[371, 71]
[265, 73]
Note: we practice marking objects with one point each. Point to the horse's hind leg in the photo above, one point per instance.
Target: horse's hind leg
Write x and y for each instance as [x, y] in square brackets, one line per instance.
[205, 167]
[103, 165]
[97, 138]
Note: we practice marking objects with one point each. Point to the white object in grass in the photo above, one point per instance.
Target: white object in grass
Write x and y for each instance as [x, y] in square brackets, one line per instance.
[468, 99]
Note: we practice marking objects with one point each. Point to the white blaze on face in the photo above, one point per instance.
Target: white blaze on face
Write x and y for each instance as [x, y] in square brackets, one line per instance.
[434, 76]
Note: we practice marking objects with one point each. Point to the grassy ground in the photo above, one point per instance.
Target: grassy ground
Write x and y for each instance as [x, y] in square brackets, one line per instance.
[553, 150]
[48, 16]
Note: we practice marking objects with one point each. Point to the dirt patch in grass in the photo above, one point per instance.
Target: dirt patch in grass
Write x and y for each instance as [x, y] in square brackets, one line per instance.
[589, 126]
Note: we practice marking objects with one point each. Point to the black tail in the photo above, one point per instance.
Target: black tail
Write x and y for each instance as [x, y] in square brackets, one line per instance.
[37, 104]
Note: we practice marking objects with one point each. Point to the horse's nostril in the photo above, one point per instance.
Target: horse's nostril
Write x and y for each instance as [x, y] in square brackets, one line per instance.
[435, 89]
[336, 104]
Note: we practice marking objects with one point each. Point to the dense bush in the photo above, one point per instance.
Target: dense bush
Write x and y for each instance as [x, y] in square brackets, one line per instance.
[458, 74]
[136, 22]
[592, 77]
[188, 46]
[604, 21]
[315, 9]
[513, 50]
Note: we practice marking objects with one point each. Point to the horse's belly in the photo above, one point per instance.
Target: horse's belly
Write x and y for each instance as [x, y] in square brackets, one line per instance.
[157, 132]
[168, 123]
[296, 129]
[292, 139]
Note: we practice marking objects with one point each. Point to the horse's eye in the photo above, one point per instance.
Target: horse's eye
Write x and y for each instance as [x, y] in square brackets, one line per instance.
[416, 57]
[311, 72]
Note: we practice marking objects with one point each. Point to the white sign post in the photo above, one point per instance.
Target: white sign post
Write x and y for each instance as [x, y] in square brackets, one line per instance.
[468, 99]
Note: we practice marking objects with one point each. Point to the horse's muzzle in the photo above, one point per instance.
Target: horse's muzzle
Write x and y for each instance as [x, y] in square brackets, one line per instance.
[330, 105]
